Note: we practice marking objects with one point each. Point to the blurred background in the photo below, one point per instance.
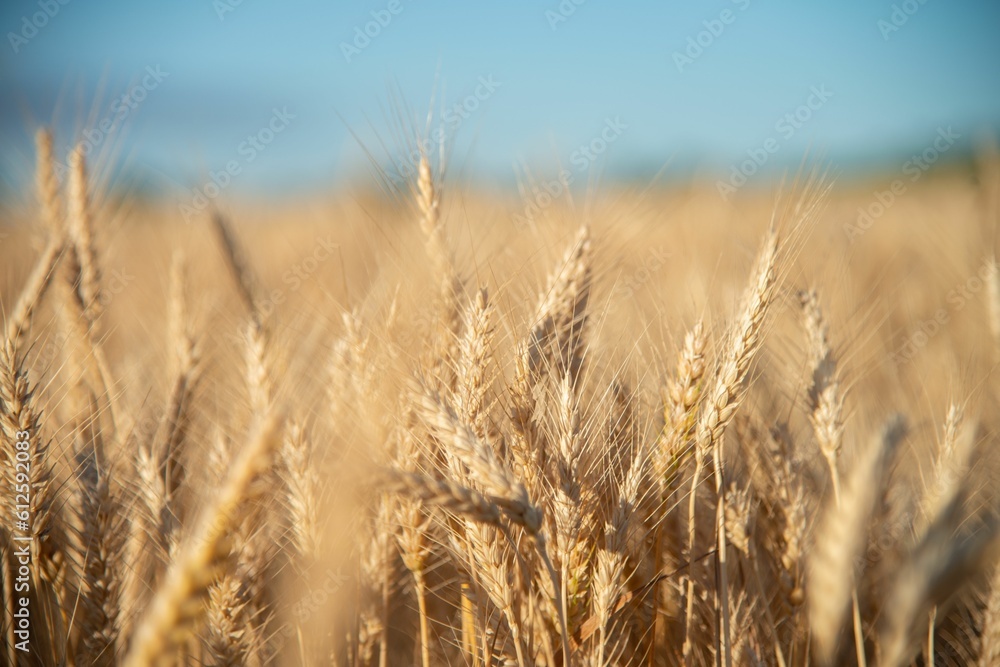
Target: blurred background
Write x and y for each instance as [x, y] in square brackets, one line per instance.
[302, 96]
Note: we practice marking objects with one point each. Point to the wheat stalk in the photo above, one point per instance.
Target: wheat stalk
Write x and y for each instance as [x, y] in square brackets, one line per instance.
[169, 436]
[993, 303]
[509, 493]
[825, 399]
[237, 264]
[679, 411]
[554, 345]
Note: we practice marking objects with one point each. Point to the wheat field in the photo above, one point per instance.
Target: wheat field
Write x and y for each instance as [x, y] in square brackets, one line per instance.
[644, 427]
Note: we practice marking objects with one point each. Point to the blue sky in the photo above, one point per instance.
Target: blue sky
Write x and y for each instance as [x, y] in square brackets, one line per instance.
[556, 84]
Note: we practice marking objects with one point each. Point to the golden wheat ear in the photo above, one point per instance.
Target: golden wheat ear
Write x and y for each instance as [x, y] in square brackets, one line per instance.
[46, 183]
[989, 648]
[720, 404]
[47, 190]
[101, 540]
[81, 224]
[178, 603]
[444, 349]
[841, 536]
[473, 373]
[29, 471]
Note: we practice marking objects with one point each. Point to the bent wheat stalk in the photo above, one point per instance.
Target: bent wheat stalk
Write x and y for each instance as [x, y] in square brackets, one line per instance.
[178, 601]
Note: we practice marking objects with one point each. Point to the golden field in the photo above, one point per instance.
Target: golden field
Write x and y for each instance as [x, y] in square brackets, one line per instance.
[646, 427]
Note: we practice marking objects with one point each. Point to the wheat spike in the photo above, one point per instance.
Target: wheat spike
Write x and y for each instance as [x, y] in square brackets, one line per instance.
[482, 462]
[825, 399]
[989, 648]
[82, 230]
[46, 183]
[741, 347]
[679, 406]
[471, 400]
[840, 538]
[101, 541]
[230, 640]
[303, 483]
[179, 600]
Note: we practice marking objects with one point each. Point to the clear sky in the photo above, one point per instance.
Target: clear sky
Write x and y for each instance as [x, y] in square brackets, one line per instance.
[533, 81]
